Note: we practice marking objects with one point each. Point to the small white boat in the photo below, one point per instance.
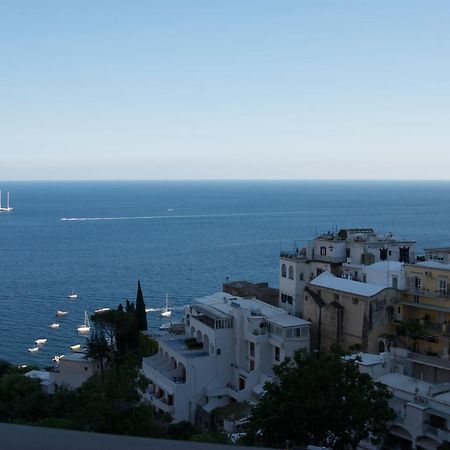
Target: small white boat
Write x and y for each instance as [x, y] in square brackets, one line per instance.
[33, 349]
[166, 312]
[54, 325]
[75, 347]
[40, 341]
[57, 358]
[165, 326]
[72, 295]
[61, 313]
[86, 327]
[100, 310]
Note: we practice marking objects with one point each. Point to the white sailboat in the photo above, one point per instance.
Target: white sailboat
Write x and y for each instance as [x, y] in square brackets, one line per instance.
[72, 295]
[8, 208]
[86, 327]
[166, 312]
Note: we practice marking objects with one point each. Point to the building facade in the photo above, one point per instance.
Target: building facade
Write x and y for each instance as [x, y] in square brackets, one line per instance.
[226, 355]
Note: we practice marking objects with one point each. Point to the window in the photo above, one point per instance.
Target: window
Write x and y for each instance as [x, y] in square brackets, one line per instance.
[395, 282]
[291, 273]
[252, 365]
[399, 310]
[283, 270]
[286, 298]
[301, 276]
[336, 297]
[277, 353]
[383, 254]
[364, 278]
[442, 287]
[218, 351]
[252, 349]
[355, 300]
[323, 251]
[404, 254]
[347, 253]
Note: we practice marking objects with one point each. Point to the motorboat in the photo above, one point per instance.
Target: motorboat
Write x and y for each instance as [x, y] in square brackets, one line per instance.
[100, 310]
[72, 296]
[54, 325]
[165, 326]
[166, 312]
[75, 347]
[61, 313]
[40, 341]
[57, 358]
[33, 349]
[86, 326]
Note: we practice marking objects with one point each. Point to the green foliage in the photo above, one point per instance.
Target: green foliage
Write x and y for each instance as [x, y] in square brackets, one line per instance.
[320, 400]
[183, 431]
[147, 345]
[141, 315]
[21, 398]
[98, 348]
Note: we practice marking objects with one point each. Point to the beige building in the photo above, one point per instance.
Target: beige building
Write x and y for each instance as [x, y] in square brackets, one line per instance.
[425, 309]
[349, 313]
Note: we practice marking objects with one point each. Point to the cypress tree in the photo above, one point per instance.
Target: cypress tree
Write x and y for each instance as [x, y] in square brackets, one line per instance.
[141, 315]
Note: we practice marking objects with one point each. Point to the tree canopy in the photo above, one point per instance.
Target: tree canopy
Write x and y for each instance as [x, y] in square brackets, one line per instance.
[141, 315]
[321, 400]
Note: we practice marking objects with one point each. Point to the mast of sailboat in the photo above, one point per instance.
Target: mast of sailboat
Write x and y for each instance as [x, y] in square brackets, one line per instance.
[7, 200]
[0, 199]
[167, 301]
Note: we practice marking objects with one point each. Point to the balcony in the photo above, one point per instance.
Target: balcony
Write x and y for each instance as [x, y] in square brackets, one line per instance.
[438, 293]
[293, 256]
[160, 404]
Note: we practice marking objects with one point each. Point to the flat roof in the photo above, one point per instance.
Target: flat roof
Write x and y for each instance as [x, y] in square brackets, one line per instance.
[26, 437]
[406, 383]
[329, 281]
[41, 374]
[365, 359]
[433, 264]
[438, 249]
[395, 266]
[286, 320]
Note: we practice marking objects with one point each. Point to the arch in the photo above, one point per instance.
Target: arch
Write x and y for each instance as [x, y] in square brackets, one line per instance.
[291, 272]
[400, 432]
[205, 342]
[173, 363]
[192, 331]
[181, 372]
[381, 347]
[426, 443]
[199, 336]
[283, 270]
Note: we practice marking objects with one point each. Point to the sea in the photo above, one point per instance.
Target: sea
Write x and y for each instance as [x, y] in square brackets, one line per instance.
[180, 238]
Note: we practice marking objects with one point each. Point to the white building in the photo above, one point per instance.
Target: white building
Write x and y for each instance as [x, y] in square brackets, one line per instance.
[226, 355]
[422, 409]
[356, 247]
[73, 370]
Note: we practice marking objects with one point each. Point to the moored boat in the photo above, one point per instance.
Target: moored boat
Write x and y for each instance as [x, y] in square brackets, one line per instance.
[33, 349]
[72, 295]
[75, 347]
[61, 313]
[86, 327]
[166, 312]
[54, 325]
[40, 341]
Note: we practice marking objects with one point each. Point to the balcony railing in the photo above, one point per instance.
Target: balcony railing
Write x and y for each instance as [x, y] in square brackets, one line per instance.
[438, 293]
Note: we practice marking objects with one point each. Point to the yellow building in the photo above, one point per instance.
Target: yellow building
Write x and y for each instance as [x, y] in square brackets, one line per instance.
[424, 312]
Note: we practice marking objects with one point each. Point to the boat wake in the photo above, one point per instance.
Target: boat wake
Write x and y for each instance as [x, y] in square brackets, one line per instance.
[186, 216]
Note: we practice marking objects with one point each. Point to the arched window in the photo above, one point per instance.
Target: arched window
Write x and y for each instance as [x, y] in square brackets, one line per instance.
[291, 273]
[283, 270]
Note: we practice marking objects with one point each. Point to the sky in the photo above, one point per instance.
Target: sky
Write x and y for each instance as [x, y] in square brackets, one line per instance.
[254, 89]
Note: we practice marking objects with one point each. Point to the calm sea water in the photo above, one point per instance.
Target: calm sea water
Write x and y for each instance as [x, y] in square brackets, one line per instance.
[180, 238]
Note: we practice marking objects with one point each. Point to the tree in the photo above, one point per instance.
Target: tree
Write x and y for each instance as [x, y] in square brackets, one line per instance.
[320, 400]
[98, 348]
[141, 315]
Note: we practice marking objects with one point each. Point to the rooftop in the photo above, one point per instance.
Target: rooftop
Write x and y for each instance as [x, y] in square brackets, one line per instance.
[432, 264]
[329, 281]
[438, 249]
[394, 266]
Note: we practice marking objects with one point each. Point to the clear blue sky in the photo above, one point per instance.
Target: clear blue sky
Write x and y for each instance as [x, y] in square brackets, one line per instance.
[109, 89]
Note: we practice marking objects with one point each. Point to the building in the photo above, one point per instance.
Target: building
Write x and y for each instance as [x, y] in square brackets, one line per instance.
[348, 313]
[422, 408]
[261, 291]
[355, 247]
[73, 370]
[226, 355]
[426, 306]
